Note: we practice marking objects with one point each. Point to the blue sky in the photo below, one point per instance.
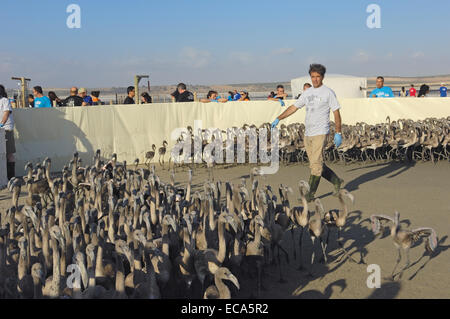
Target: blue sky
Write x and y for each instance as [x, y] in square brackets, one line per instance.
[218, 42]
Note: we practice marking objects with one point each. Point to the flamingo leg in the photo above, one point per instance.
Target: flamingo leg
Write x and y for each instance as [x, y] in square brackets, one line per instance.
[406, 265]
[399, 258]
[324, 248]
[293, 246]
[312, 256]
[300, 252]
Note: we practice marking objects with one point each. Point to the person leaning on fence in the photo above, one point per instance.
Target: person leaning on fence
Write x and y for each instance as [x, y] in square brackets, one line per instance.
[318, 100]
[73, 99]
[213, 96]
[181, 94]
[244, 96]
[7, 123]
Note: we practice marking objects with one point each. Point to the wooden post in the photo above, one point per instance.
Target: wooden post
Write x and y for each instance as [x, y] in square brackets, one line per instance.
[23, 83]
[195, 97]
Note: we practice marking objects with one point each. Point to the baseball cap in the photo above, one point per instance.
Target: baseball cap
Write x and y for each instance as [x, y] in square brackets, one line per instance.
[82, 90]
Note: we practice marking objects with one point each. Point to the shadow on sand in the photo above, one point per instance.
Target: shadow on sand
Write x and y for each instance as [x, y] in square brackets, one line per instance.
[385, 169]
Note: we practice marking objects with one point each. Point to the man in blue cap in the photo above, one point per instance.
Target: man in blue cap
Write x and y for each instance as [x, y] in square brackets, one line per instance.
[318, 100]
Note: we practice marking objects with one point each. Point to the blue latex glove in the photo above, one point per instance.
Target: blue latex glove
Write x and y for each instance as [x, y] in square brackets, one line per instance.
[282, 102]
[275, 123]
[337, 139]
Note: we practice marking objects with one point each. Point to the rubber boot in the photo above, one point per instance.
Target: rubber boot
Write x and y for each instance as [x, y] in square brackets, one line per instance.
[11, 170]
[331, 176]
[313, 185]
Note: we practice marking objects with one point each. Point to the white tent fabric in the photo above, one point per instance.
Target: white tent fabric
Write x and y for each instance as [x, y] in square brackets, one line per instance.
[345, 86]
[3, 175]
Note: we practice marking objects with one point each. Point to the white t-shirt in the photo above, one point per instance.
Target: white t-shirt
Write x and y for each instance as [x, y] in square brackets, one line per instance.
[318, 102]
[5, 106]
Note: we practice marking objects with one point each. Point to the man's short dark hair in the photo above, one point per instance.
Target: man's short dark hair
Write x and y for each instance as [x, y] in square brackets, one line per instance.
[280, 87]
[319, 68]
[412, 85]
[181, 86]
[130, 89]
[38, 89]
[381, 78]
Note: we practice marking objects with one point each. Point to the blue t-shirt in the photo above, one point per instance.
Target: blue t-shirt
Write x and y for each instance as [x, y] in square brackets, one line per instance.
[383, 92]
[88, 100]
[443, 91]
[236, 97]
[40, 102]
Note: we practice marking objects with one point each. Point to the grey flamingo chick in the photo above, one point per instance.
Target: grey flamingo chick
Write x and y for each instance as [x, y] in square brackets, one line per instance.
[404, 239]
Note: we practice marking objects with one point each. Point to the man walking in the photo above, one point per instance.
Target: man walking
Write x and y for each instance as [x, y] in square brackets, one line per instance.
[319, 100]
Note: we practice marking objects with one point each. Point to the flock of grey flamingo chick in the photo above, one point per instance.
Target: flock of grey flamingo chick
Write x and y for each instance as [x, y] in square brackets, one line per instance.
[111, 231]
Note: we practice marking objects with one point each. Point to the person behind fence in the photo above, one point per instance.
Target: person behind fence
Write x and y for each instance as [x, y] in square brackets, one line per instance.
[279, 95]
[95, 98]
[443, 90]
[130, 95]
[73, 99]
[7, 123]
[424, 90]
[40, 101]
[181, 94]
[403, 92]
[30, 100]
[146, 98]
[381, 91]
[244, 96]
[86, 98]
[213, 96]
[412, 91]
[318, 100]
[56, 101]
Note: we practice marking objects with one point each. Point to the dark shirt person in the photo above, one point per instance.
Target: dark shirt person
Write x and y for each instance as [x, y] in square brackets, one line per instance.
[73, 99]
[182, 94]
[131, 93]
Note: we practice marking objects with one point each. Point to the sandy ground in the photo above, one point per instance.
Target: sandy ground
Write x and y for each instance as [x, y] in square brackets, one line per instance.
[420, 192]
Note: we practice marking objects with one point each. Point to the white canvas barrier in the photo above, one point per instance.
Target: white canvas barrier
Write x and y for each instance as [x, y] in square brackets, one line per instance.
[3, 171]
[129, 131]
